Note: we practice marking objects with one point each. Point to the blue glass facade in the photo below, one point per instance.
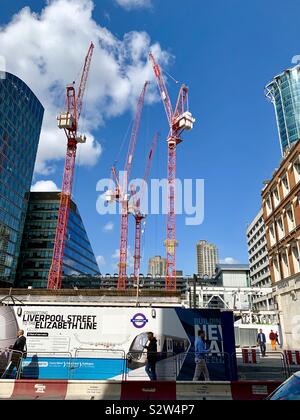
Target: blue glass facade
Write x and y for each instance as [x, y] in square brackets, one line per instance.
[38, 241]
[21, 116]
[284, 92]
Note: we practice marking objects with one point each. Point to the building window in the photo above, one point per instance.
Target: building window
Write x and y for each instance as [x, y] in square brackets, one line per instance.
[285, 186]
[296, 261]
[285, 265]
[268, 206]
[280, 228]
[276, 270]
[290, 218]
[296, 168]
[276, 198]
[272, 235]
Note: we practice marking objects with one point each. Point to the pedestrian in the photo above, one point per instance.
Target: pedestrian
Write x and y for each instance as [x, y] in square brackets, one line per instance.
[151, 348]
[261, 341]
[16, 355]
[200, 352]
[272, 338]
[277, 338]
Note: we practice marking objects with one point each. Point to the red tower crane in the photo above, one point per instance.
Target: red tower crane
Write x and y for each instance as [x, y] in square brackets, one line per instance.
[121, 193]
[68, 121]
[179, 120]
[135, 210]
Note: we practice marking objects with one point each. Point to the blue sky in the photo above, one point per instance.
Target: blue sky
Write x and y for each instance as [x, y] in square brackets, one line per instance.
[226, 51]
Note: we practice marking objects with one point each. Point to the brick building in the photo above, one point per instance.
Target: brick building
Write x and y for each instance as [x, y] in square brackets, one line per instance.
[281, 212]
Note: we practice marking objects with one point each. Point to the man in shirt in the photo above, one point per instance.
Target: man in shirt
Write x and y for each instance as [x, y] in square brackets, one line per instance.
[261, 341]
[200, 352]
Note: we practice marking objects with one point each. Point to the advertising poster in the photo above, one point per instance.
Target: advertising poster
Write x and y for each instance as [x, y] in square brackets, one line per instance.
[77, 342]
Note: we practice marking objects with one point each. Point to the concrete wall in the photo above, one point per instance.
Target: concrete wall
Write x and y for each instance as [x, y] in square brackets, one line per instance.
[288, 299]
[235, 279]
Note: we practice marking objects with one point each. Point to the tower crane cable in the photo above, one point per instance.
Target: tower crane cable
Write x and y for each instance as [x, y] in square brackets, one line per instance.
[123, 143]
[83, 129]
[170, 76]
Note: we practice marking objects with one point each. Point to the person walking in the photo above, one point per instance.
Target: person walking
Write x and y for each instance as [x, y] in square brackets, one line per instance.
[272, 338]
[17, 355]
[200, 352]
[277, 338]
[151, 348]
[261, 341]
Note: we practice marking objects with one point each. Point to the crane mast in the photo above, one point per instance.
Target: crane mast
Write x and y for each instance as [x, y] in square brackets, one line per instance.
[68, 121]
[121, 194]
[179, 120]
[138, 215]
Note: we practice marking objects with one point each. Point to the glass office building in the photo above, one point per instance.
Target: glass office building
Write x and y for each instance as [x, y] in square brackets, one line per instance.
[21, 115]
[38, 241]
[284, 93]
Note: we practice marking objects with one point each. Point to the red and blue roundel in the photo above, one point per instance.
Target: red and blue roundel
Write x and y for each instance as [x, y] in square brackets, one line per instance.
[139, 320]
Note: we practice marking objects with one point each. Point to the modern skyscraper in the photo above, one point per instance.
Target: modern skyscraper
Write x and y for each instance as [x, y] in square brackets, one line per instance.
[38, 241]
[284, 93]
[21, 115]
[207, 259]
[157, 266]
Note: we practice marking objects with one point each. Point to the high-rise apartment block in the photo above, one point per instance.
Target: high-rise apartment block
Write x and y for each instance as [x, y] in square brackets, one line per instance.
[207, 259]
[157, 266]
[259, 261]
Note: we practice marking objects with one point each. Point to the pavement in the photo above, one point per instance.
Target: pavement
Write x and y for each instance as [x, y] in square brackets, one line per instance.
[271, 367]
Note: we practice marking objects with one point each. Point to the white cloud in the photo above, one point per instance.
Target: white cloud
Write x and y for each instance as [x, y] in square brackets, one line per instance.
[229, 260]
[134, 4]
[108, 227]
[44, 186]
[100, 261]
[47, 51]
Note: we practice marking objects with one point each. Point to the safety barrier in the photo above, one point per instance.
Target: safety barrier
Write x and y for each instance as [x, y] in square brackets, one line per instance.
[253, 390]
[45, 365]
[98, 364]
[134, 390]
[251, 356]
[252, 366]
[10, 363]
[166, 369]
[292, 357]
[106, 364]
[218, 366]
[86, 365]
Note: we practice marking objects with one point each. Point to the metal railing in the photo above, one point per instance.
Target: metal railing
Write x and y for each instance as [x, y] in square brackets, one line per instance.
[215, 366]
[165, 365]
[98, 364]
[10, 363]
[46, 365]
[272, 367]
[102, 364]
